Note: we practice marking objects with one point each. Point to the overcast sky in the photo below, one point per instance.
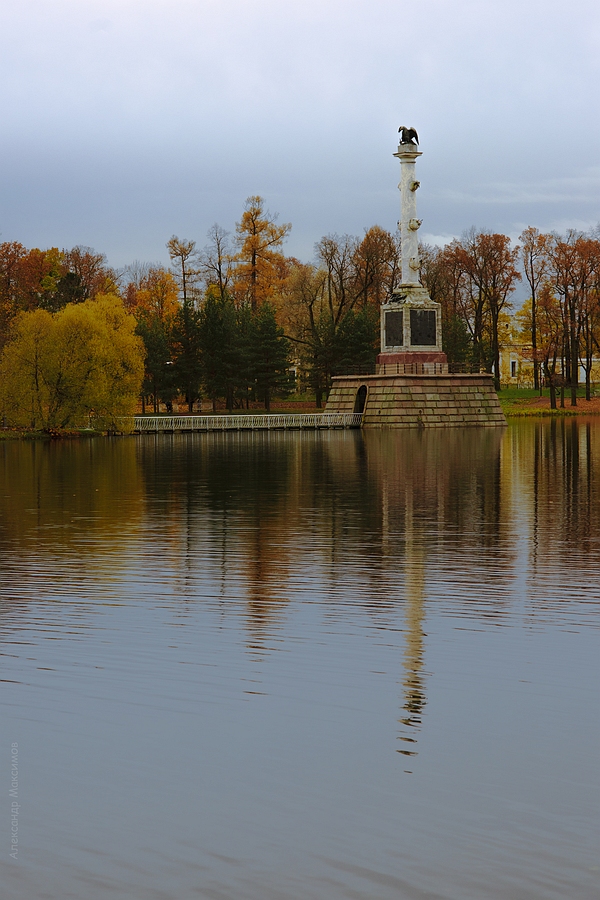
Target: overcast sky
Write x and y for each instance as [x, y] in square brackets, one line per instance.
[127, 121]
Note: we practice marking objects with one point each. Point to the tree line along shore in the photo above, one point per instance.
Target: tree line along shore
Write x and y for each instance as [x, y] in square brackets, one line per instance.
[237, 321]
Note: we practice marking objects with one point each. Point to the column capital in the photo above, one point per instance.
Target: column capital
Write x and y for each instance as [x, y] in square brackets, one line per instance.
[408, 152]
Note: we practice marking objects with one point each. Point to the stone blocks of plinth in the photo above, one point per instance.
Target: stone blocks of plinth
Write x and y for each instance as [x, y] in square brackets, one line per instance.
[423, 401]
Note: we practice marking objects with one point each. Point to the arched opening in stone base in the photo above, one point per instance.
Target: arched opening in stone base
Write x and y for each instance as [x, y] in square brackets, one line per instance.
[361, 399]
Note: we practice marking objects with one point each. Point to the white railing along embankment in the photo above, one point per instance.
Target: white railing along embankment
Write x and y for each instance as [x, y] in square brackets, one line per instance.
[268, 422]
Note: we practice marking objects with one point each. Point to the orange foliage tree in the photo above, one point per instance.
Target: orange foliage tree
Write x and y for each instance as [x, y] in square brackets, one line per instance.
[490, 266]
[575, 273]
[152, 295]
[48, 279]
[260, 266]
[473, 279]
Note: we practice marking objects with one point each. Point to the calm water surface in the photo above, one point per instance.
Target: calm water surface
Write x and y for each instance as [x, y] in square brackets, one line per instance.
[290, 666]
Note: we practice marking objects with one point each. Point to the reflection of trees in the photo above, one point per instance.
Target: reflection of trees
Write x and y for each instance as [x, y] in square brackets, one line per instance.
[263, 509]
[558, 464]
[227, 505]
[69, 512]
[371, 523]
[266, 511]
[57, 493]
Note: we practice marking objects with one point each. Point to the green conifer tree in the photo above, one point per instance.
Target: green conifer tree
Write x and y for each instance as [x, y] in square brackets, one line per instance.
[357, 342]
[158, 367]
[187, 368]
[271, 356]
[220, 346]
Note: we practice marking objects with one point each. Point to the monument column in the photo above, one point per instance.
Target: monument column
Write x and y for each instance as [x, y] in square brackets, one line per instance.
[409, 224]
[411, 322]
[412, 387]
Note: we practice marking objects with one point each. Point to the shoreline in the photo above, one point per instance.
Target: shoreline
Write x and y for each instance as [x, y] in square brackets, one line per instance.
[530, 408]
[539, 407]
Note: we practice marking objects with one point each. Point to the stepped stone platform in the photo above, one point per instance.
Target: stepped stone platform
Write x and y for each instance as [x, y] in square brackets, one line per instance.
[418, 401]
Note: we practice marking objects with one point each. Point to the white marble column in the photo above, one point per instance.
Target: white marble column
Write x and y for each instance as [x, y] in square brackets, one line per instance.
[409, 224]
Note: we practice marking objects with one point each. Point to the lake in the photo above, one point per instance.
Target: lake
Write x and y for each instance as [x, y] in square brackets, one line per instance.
[280, 666]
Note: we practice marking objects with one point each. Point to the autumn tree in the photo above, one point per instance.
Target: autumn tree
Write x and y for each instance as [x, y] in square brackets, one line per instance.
[358, 271]
[575, 271]
[333, 332]
[260, 266]
[473, 279]
[155, 294]
[330, 294]
[490, 267]
[376, 266]
[442, 273]
[336, 254]
[306, 325]
[590, 332]
[29, 279]
[48, 279]
[549, 328]
[57, 369]
[184, 259]
[217, 261]
[567, 277]
[152, 295]
[38, 274]
[534, 257]
[11, 254]
[133, 277]
[87, 275]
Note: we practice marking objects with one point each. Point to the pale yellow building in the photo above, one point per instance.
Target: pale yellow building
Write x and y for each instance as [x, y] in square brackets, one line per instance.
[516, 366]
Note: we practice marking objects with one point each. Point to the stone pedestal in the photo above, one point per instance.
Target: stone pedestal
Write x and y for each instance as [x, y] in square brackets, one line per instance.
[411, 333]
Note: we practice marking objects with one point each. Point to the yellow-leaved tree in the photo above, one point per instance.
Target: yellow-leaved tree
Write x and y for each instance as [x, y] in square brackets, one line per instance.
[58, 369]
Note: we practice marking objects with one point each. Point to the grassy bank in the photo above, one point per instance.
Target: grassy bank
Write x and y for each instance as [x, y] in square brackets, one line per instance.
[527, 402]
[20, 434]
[13, 434]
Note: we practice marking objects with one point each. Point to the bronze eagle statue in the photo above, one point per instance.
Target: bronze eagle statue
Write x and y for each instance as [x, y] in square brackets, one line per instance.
[408, 135]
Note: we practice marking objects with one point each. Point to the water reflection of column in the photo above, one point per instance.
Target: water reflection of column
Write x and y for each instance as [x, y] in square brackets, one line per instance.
[414, 692]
